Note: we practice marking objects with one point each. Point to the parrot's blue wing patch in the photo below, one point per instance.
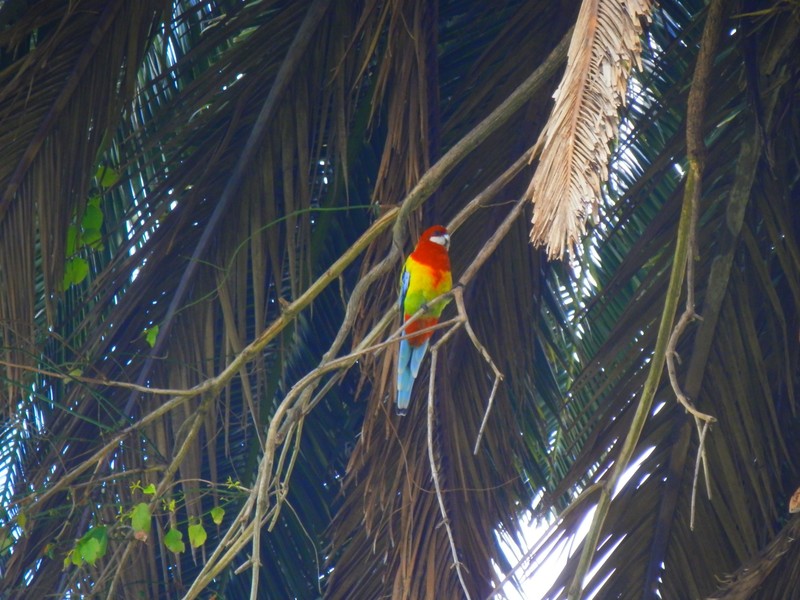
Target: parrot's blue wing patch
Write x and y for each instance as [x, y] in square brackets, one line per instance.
[404, 279]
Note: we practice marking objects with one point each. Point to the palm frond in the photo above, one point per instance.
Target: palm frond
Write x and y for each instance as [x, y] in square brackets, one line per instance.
[566, 187]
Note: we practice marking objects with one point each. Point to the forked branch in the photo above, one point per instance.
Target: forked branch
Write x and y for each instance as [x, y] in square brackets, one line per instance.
[461, 320]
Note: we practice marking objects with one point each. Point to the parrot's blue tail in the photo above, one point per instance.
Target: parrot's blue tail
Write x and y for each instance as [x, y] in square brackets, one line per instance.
[408, 362]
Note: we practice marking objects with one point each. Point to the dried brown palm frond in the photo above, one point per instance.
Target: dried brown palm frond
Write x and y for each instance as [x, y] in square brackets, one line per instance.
[566, 188]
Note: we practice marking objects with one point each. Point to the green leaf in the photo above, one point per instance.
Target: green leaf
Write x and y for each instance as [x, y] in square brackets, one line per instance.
[92, 218]
[141, 518]
[216, 515]
[75, 271]
[81, 270]
[77, 372]
[173, 540]
[93, 238]
[73, 557]
[151, 335]
[197, 535]
[89, 550]
[92, 545]
[149, 489]
[106, 176]
[101, 535]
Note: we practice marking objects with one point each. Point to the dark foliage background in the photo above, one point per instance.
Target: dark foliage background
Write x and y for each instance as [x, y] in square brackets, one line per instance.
[248, 146]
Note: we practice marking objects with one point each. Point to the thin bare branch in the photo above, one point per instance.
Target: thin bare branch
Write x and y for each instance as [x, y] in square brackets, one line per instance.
[67, 378]
[701, 458]
[498, 376]
[432, 457]
[696, 154]
[688, 316]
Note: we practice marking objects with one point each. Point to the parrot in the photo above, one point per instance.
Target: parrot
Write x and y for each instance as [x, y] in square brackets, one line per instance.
[426, 275]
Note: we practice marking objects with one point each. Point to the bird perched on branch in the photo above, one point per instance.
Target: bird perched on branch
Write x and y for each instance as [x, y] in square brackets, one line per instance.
[426, 275]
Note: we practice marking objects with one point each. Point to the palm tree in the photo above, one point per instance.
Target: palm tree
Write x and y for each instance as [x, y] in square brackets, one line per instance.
[203, 208]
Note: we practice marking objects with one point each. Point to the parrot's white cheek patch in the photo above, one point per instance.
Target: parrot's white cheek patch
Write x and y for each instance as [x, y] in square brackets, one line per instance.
[442, 240]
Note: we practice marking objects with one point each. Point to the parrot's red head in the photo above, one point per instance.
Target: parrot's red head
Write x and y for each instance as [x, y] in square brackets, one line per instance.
[437, 235]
